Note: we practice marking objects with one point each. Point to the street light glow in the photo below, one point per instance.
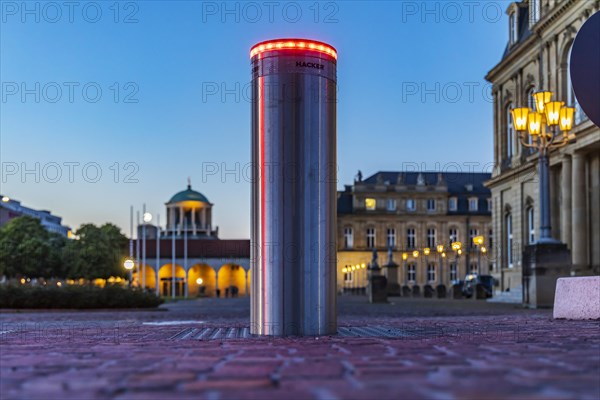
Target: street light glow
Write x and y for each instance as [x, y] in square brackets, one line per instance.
[566, 118]
[552, 111]
[520, 118]
[534, 121]
[128, 264]
[199, 281]
[541, 98]
[478, 240]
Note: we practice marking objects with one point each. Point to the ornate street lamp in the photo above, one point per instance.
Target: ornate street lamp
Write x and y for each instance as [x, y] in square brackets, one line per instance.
[440, 250]
[478, 242]
[128, 264]
[544, 126]
[363, 266]
[415, 255]
[405, 258]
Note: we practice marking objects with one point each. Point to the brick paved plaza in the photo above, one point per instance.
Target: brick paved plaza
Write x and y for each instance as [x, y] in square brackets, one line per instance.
[446, 349]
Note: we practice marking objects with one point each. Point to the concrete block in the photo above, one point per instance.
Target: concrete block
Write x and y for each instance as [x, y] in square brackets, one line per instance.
[577, 298]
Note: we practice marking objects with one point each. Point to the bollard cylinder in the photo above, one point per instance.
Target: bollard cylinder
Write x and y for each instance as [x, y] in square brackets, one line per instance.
[293, 238]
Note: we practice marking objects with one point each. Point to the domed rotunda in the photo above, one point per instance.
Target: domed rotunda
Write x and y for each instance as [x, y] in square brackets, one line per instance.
[190, 211]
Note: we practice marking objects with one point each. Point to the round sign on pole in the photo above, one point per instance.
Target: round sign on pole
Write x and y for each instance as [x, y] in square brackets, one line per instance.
[585, 68]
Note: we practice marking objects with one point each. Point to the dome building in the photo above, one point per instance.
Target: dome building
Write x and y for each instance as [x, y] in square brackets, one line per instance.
[190, 211]
[186, 258]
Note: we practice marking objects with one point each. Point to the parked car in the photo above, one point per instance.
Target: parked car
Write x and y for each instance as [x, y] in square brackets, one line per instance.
[471, 282]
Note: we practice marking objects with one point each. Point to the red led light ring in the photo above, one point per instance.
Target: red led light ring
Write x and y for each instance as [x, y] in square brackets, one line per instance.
[293, 44]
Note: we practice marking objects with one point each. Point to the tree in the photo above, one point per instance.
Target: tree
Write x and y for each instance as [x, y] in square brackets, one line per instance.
[27, 249]
[97, 254]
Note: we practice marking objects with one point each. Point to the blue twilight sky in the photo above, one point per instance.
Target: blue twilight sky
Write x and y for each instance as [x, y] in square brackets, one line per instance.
[411, 95]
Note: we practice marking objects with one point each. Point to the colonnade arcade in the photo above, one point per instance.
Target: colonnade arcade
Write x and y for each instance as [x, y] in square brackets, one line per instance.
[202, 278]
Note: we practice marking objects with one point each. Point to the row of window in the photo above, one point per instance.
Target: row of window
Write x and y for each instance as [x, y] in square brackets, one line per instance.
[411, 237]
[411, 272]
[411, 204]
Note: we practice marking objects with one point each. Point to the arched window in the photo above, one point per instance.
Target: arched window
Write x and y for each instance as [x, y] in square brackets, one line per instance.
[348, 238]
[531, 105]
[535, 9]
[453, 235]
[571, 99]
[508, 231]
[391, 237]
[370, 238]
[512, 28]
[530, 99]
[510, 133]
[431, 272]
[431, 238]
[411, 242]
[530, 225]
[453, 271]
[411, 273]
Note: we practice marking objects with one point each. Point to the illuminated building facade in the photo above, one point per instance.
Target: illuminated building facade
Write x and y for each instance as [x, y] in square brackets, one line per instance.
[536, 58]
[189, 259]
[410, 212]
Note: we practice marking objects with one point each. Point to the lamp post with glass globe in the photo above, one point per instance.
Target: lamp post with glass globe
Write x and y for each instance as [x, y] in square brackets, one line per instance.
[457, 248]
[478, 243]
[405, 258]
[147, 217]
[544, 129]
[442, 255]
[415, 255]
[128, 264]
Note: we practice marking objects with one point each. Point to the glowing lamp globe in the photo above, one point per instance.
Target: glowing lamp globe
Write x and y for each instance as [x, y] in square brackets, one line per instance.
[541, 98]
[534, 121]
[519, 116]
[566, 118]
[128, 264]
[552, 111]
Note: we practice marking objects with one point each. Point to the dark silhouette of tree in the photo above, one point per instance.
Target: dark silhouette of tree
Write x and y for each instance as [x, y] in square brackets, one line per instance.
[27, 249]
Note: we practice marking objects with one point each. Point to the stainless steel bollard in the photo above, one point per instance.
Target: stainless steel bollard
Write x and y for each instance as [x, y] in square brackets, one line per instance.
[293, 239]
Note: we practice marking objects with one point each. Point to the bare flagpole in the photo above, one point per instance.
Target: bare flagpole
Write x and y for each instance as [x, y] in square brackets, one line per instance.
[131, 232]
[144, 247]
[137, 247]
[130, 241]
[173, 260]
[186, 283]
[157, 254]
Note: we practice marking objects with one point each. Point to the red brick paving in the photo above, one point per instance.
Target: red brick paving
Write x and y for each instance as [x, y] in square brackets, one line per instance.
[470, 350]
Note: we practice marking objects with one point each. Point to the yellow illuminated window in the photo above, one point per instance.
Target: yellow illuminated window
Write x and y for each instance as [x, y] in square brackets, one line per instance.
[370, 204]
